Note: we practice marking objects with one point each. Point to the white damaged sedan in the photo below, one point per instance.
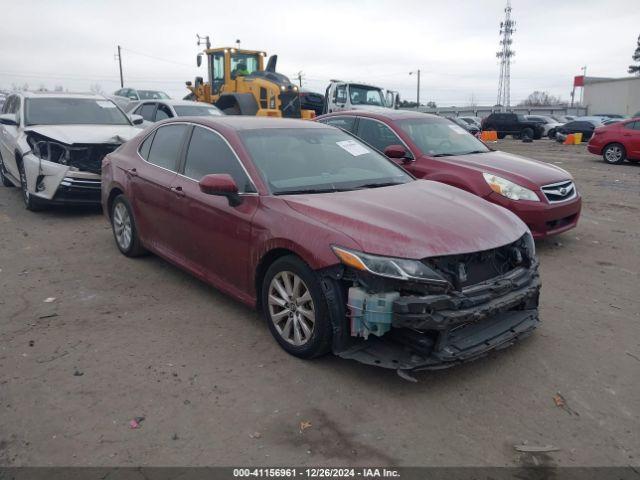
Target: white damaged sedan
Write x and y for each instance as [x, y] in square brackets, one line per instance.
[52, 145]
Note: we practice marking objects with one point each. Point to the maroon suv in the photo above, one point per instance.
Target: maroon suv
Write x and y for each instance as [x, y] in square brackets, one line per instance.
[543, 196]
[322, 234]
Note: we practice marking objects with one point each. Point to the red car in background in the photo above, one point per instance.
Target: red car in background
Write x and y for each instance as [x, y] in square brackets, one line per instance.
[544, 196]
[321, 233]
[617, 142]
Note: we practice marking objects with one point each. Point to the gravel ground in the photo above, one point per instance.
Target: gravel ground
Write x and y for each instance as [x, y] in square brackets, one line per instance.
[139, 338]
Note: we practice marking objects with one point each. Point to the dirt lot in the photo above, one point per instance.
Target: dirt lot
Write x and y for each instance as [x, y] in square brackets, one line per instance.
[127, 338]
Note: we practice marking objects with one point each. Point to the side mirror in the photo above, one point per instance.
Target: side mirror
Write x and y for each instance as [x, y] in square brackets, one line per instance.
[136, 119]
[397, 152]
[199, 59]
[221, 184]
[8, 119]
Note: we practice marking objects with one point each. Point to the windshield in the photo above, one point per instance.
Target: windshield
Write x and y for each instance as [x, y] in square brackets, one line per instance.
[363, 95]
[439, 137]
[69, 111]
[196, 110]
[243, 64]
[314, 160]
[152, 95]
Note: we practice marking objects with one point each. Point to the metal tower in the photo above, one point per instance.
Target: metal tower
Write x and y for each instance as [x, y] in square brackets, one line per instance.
[504, 84]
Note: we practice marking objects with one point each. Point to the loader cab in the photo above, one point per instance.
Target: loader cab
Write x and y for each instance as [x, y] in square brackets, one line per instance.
[228, 64]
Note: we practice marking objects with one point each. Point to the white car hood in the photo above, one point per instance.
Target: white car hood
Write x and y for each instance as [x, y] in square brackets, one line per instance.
[86, 134]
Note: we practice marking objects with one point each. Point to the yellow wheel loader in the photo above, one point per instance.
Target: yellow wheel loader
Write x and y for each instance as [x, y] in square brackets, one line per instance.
[239, 84]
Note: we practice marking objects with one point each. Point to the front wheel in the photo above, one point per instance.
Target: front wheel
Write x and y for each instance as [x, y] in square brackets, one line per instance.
[31, 202]
[552, 134]
[124, 228]
[295, 308]
[614, 154]
[527, 133]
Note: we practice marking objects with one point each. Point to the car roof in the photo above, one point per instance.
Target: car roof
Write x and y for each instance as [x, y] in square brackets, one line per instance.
[383, 113]
[94, 96]
[174, 103]
[244, 122]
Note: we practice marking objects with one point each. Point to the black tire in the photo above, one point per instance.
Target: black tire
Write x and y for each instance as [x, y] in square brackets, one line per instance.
[319, 341]
[3, 178]
[527, 132]
[614, 154]
[31, 202]
[552, 133]
[133, 247]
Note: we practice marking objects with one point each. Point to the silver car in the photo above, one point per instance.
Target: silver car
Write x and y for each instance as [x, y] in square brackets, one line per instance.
[155, 110]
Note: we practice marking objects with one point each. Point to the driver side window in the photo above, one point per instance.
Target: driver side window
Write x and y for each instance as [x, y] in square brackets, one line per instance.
[377, 134]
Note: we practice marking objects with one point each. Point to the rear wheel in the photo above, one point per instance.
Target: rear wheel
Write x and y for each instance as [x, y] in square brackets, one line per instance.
[552, 133]
[614, 153]
[124, 228]
[295, 308]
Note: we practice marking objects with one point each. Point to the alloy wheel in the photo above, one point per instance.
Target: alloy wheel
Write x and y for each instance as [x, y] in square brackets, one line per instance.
[291, 308]
[122, 226]
[613, 154]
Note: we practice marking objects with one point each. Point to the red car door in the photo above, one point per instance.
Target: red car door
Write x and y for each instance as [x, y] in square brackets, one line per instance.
[215, 236]
[631, 138]
[150, 187]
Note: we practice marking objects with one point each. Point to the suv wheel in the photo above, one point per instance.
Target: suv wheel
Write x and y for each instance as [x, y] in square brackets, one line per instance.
[552, 133]
[527, 133]
[31, 202]
[295, 308]
[614, 153]
[3, 178]
[124, 228]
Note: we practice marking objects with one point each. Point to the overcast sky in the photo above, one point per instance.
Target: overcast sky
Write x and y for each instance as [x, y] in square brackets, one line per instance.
[72, 43]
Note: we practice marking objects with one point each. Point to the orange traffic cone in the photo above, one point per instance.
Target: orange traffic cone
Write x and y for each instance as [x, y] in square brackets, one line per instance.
[569, 140]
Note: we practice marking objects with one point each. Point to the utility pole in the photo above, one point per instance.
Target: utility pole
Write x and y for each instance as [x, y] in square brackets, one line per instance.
[584, 78]
[299, 77]
[119, 58]
[417, 73]
[504, 83]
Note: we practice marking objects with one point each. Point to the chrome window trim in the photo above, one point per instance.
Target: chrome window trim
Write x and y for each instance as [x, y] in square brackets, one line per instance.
[153, 130]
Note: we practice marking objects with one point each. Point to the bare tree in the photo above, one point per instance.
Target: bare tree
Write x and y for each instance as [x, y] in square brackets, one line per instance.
[636, 58]
[96, 88]
[537, 99]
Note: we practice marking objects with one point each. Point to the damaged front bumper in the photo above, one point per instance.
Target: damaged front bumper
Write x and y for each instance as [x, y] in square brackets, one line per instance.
[437, 331]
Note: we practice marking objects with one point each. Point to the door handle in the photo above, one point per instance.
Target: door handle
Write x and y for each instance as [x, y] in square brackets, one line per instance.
[132, 172]
[178, 191]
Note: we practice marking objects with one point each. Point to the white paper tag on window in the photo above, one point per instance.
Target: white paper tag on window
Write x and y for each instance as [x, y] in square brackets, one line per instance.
[457, 129]
[353, 147]
[212, 111]
[105, 104]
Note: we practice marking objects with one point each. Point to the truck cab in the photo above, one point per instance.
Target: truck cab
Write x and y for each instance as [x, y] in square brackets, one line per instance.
[353, 96]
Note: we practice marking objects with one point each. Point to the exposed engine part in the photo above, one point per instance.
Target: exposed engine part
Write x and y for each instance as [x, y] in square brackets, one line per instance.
[370, 313]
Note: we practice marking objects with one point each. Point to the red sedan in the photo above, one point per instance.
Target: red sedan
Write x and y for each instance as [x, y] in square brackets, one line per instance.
[617, 142]
[433, 148]
[320, 232]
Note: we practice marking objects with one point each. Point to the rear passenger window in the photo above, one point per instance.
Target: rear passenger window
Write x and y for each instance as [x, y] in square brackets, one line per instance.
[163, 112]
[166, 145]
[146, 146]
[147, 111]
[209, 153]
[346, 123]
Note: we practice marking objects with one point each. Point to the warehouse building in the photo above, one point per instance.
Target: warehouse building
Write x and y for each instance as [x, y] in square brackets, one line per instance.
[612, 95]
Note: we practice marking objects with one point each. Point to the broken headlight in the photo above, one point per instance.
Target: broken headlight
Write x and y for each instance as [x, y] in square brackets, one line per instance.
[398, 268]
[49, 150]
[509, 189]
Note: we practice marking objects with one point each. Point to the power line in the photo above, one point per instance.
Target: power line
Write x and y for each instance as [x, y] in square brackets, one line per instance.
[156, 58]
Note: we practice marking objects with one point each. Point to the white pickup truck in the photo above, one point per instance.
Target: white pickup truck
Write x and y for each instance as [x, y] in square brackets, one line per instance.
[356, 96]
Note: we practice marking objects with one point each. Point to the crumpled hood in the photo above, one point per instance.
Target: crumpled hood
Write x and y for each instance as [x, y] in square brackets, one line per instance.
[86, 134]
[524, 171]
[415, 220]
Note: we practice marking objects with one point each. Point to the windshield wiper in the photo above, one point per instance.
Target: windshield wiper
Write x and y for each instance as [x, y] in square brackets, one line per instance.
[474, 151]
[377, 185]
[310, 190]
[444, 155]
